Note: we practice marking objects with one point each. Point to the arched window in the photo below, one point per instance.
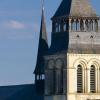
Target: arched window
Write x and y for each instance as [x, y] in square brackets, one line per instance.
[91, 25]
[37, 77]
[87, 25]
[57, 27]
[73, 25]
[92, 79]
[96, 26]
[81, 25]
[50, 77]
[64, 27]
[79, 79]
[77, 25]
[59, 76]
[59, 81]
[43, 76]
[49, 82]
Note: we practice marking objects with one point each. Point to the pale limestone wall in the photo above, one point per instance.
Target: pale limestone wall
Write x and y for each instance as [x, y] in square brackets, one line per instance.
[83, 97]
[84, 37]
[86, 60]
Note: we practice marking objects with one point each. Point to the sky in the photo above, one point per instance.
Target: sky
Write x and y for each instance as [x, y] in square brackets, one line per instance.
[19, 33]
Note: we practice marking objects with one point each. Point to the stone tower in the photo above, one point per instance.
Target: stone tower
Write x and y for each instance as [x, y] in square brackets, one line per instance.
[72, 63]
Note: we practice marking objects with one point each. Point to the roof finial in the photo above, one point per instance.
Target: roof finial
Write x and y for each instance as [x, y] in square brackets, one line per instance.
[42, 2]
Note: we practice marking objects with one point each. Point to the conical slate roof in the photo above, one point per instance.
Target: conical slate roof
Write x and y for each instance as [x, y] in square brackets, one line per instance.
[82, 8]
[77, 8]
[43, 32]
[43, 46]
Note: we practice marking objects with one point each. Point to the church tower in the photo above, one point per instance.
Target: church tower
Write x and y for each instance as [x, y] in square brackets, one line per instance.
[72, 64]
[70, 68]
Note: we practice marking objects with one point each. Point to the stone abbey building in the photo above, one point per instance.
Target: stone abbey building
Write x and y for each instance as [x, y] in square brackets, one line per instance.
[70, 68]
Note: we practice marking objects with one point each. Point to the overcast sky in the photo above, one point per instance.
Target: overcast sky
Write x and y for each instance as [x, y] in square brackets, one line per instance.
[19, 31]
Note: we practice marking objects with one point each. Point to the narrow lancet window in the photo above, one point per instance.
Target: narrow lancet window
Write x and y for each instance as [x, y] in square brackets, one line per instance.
[92, 79]
[79, 79]
[56, 27]
[87, 25]
[81, 25]
[96, 26]
[64, 27]
[77, 26]
[73, 25]
[59, 27]
[91, 25]
[59, 76]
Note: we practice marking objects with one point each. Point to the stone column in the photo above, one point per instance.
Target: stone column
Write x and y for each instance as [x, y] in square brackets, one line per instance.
[84, 29]
[70, 25]
[62, 24]
[98, 87]
[83, 80]
[75, 80]
[88, 82]
[79, 25]
[99, 80]
[96, 81]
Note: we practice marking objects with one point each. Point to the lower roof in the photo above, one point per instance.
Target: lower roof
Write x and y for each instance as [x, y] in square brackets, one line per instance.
[19, 92]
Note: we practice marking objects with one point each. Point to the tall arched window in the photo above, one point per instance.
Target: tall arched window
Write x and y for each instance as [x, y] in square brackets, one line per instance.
[77, 25]
[73, 25]
[96, 26]
[87, 25]
[57, 27]
[79, 79]
[49, 77]
[81, 25]
[59, 76]
[64, 27]
[91, 25]
[92, 79]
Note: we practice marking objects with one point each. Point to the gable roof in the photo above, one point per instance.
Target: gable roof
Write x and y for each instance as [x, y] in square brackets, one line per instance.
[19, 92]
[81, 8]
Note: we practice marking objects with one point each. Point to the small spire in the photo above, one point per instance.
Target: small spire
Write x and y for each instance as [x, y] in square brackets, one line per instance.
[43, 44]
[43, 32]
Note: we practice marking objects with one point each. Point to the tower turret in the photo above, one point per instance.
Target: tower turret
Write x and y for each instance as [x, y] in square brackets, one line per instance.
[42, 51]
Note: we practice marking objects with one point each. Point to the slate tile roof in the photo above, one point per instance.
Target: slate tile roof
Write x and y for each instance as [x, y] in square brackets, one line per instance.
[19, 92]
[81, 8]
